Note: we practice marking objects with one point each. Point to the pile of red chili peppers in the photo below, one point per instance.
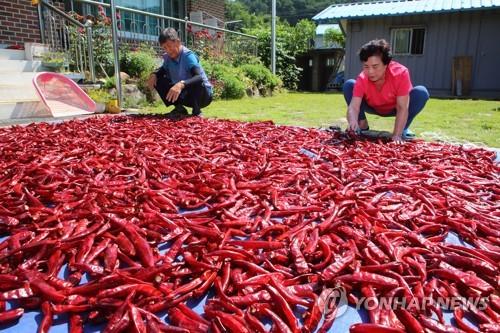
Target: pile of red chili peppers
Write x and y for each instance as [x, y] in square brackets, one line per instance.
[263, 218]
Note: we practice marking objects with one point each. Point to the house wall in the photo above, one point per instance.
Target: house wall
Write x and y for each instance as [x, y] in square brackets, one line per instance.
[18, 22]
[19, 19]
[212, 7]
[474, 33]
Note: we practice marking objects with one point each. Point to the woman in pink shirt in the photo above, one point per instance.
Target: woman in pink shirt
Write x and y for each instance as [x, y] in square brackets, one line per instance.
[383, 88]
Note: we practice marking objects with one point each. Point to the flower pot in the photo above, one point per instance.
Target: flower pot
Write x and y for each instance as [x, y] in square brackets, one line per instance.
[55, 66]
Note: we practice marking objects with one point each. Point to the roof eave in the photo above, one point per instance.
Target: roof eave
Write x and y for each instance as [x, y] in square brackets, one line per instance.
[336, 19]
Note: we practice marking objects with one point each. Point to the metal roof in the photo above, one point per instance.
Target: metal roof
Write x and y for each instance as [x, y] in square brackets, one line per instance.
[401, 7]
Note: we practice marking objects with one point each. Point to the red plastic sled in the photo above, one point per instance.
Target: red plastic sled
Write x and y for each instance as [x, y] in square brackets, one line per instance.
[62, 96]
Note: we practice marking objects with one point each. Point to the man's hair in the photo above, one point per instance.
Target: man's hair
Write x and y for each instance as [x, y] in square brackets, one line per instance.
[376, 47]
[168, 34]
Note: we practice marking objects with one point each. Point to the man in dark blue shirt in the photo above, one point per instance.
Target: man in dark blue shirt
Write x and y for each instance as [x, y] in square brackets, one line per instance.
[180, 81]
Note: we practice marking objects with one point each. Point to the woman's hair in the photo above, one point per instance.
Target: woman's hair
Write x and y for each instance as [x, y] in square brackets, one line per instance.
[168, 34]
[376, 47]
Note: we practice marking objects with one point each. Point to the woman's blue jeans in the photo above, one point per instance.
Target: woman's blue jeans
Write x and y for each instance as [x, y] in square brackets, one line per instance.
[418, 97]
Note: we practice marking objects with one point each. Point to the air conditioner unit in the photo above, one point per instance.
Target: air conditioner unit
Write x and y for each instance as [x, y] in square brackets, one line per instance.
[196, 16]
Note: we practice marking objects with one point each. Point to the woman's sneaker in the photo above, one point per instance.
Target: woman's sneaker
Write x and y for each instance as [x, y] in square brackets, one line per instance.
[408, 135]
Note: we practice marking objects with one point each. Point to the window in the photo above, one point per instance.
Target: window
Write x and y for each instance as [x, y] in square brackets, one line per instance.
[330, 62]
[141, 25]
[407, 41]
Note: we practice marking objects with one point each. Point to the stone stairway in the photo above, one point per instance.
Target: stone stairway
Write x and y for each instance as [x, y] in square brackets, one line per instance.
[18, 98]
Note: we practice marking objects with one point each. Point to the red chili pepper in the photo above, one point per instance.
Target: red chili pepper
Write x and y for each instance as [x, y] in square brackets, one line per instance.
[370, 278]
[45, 290]
[284, 308]
[300, 262]
[75, 323]
[436, 326]
[469, 280]
[47, 318]
[373, 328]
[137, 322]
[11, 315]
[281, 326]
[412, 325]
[125, 244]
[180, 319]
[254, 324]
[339, 264]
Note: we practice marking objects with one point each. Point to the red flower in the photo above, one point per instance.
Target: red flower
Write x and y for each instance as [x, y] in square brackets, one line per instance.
[101, 11]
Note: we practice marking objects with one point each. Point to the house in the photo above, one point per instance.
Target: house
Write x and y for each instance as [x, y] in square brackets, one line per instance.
[450, 46]
[41, 28]
[321, 64]
[20, 23]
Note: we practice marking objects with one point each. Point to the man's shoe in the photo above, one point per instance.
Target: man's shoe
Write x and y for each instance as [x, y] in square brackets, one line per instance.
[180, 110]
[196, 112]
[178, 113]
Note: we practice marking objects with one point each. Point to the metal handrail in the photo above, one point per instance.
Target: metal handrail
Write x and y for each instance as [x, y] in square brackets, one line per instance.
[159, 16]
[88, 31]
[63, 14]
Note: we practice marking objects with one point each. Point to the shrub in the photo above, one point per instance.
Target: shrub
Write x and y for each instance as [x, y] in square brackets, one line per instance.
[100, 95]
[233, 81]
[240, 59]
[290, 42]
[261, 77]
[228, 82]
[138, 63]
[109, 83]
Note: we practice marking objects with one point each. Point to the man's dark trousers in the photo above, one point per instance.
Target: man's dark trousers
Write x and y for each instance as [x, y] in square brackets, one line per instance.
[195, 96]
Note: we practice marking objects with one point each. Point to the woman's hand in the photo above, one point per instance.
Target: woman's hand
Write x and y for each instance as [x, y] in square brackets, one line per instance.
[397, 139]
[353, 114]
[352, 120]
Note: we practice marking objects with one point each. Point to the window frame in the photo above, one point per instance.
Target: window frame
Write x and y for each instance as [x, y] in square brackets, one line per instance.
[393, 32]
[129, 33]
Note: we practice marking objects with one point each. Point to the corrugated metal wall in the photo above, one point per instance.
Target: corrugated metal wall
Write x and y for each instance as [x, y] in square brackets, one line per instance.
[475, 34]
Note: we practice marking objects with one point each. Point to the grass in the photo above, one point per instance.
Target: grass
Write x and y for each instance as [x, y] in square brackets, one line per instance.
[475, 121]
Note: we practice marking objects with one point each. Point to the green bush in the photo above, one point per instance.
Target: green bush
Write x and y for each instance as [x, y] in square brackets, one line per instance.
[100, 95]
[138, 63]
[109, 83]
[240, 59]
[291, 41]
[233, 81]
[228, 82]
[261, 77]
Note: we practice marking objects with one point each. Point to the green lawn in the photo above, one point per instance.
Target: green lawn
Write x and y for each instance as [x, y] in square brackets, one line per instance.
[473, 121]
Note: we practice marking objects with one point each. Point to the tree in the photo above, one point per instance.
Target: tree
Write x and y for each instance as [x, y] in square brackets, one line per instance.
[333, 36]
[237, 11]
[290, 42]
[290, 10]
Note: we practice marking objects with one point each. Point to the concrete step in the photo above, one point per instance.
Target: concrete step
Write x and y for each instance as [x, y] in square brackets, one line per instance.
[23, 79]
[19, 66]
[27, 109]
[17, 93]
[17, 87]
[12, 54]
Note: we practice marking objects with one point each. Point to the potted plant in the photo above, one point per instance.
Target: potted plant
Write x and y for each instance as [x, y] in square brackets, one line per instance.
[54, 60]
